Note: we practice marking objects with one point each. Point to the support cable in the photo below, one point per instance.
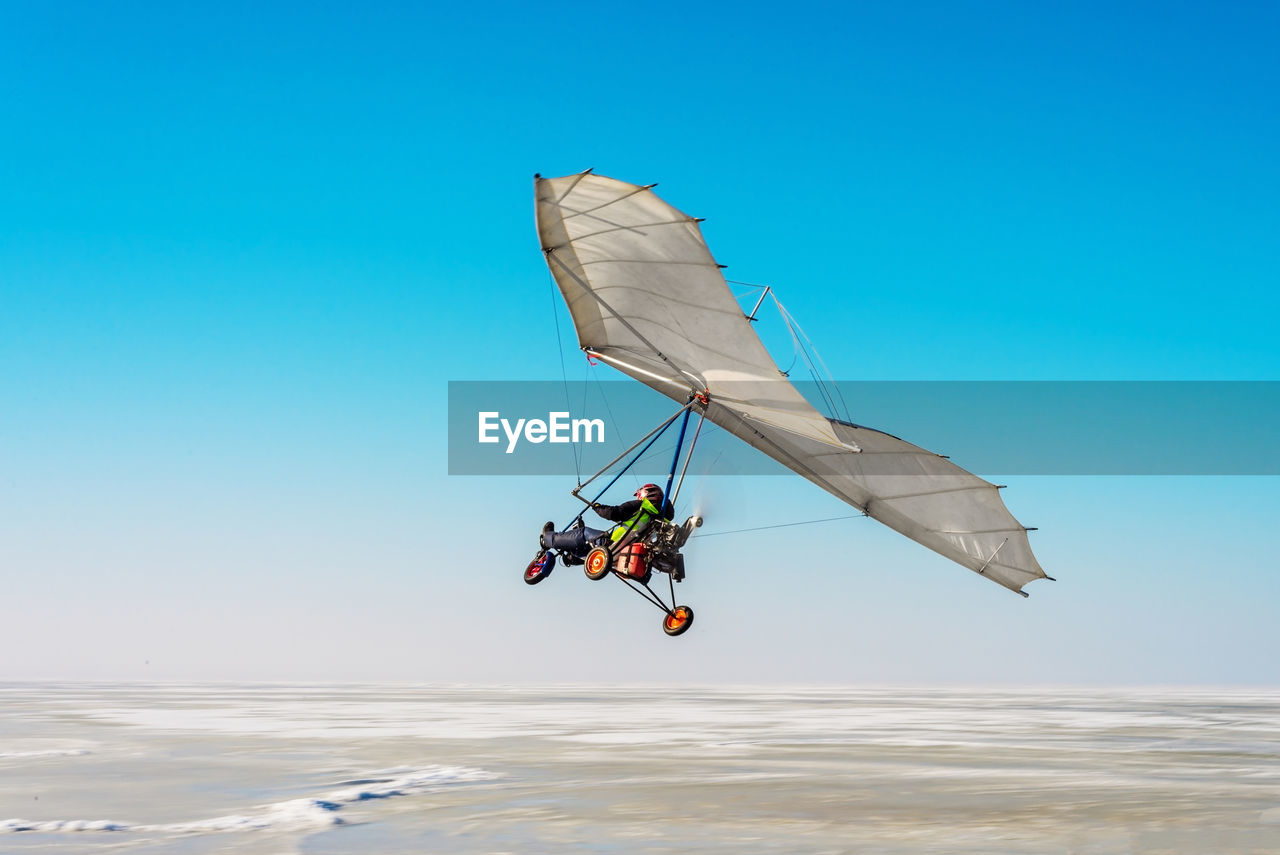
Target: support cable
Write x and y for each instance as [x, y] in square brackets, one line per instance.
[814, 362]
[780, 525]
[796, 334]
[564, 375]
[595, 375]
[803, 341]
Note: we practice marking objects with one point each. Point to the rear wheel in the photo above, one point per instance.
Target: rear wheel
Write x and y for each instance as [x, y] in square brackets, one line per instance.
[677, 620]
[540, 567]
[597, 565]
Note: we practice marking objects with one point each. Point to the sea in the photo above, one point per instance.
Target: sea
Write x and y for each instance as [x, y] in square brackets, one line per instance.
[383, 768]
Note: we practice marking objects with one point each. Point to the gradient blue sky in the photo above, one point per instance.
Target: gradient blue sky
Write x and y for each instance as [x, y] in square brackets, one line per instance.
[243, 247]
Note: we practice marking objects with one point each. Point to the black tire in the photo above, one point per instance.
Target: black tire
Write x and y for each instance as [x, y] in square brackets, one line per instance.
[677, 621]
[540, 567]
[598, 564]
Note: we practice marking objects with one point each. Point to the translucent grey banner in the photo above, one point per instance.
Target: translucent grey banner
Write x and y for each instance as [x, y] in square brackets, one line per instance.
[993, 428]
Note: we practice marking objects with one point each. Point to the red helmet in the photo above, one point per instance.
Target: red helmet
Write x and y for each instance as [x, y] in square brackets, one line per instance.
[652, 492]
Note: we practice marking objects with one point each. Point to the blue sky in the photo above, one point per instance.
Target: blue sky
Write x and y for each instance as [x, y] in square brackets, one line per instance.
[243, 247]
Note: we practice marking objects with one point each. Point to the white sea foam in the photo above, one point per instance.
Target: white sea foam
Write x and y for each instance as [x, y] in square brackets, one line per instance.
[292, 814]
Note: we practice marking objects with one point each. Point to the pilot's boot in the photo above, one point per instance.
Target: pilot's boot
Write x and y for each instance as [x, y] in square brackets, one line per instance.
[542, 538]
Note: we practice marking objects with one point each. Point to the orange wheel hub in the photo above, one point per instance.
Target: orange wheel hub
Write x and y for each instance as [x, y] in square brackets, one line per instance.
[677, 618]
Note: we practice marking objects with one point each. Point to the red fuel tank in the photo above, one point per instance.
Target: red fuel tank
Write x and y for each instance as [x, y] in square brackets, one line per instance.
[631, 561]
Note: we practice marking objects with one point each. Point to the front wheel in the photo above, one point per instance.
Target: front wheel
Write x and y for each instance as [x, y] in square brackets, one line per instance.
[677, 620]
[540, 567]
[597, 564]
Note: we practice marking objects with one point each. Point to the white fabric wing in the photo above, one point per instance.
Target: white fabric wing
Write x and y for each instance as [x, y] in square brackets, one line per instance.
[647, 297]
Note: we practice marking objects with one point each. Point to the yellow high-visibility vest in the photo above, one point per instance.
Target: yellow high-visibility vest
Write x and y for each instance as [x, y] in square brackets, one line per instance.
[647, 512]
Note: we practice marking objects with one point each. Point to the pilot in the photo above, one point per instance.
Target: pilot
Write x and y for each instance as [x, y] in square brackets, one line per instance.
[648, 504]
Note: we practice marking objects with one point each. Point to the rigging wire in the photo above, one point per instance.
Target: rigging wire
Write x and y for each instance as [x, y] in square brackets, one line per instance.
[795, 354]
[835, 386]
[564, 374]
[805, 344]
[612, 419]
[779, 525]
[801, 351]
[595, 375]
[755, 288]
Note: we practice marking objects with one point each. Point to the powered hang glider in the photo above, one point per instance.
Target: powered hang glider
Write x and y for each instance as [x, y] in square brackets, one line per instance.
[647, 297]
